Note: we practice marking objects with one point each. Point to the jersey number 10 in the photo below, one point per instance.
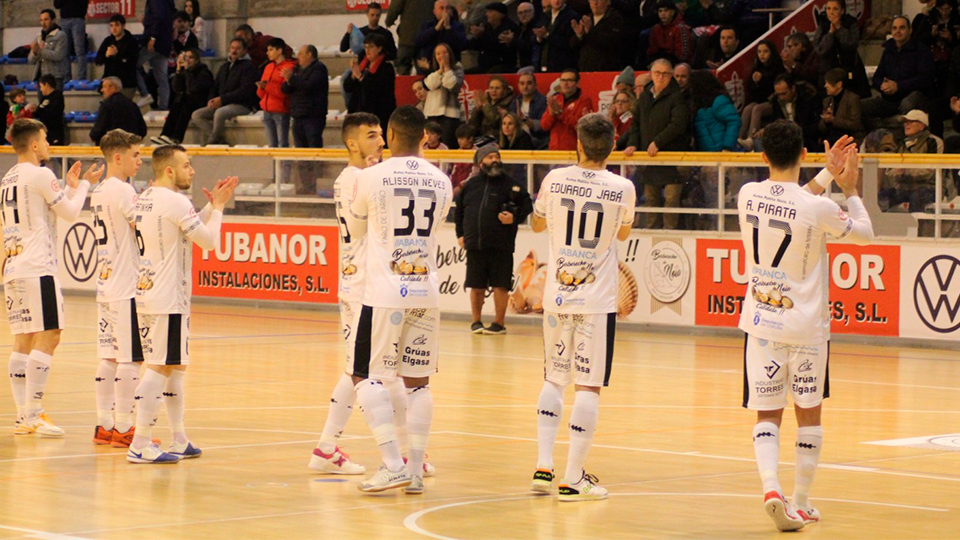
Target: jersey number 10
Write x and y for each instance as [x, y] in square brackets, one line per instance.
[589, 206]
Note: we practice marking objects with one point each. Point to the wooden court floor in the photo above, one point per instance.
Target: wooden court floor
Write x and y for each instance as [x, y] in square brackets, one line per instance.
[673, 445]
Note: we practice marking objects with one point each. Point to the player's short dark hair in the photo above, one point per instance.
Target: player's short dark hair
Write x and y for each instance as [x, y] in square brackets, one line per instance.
[277, 43]
[466, 131]
[353, 121]
[433, 127]
[374, 5]
[407, 125]
[162, 155]
[48, 80]
[596, 134]
[50, 12]
[783, 144]
[118, 140]
[182, 16]
[835, 75]
[118, 18]
[22, 132]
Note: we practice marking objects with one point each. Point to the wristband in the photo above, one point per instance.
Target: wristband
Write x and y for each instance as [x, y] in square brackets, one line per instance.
[823, 178]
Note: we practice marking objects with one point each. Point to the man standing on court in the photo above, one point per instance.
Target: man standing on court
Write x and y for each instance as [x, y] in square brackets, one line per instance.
[585, 209]
[400, 204]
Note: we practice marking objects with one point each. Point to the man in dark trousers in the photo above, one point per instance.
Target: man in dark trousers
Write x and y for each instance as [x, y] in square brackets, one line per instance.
[233, 95]
[308, 86]
[496, 39]
[599, 34]
[412, 15]
[490, 206]
[555, 38]
[118, 55]
[50, 110]
[157, 43]
[191, 85]
[73, 21]
[116, 112]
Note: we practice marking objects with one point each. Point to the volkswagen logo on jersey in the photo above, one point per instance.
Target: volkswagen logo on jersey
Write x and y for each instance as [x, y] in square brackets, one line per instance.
[403, 290]
[412, 164]
[80, 252]
[776, 191]
[589, 175]
[936, 294]
[559, 299]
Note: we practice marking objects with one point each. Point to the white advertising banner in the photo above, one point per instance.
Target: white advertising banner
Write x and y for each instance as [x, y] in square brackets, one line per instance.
[930, 292]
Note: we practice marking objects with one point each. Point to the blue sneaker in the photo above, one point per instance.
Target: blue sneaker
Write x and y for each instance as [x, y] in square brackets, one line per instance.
[184, 451]
[151, 454]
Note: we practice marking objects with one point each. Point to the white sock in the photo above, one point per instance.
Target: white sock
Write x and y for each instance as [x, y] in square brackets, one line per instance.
[374, 401]
[583, 424]
[38, 370]
[549, 411]
[125, 385]
[766, 445]
[341, 406]
[419, 418]
[106, 373]
[148, 395]
[809, 443]
[174, 400]
[398, 398]
[18, 379]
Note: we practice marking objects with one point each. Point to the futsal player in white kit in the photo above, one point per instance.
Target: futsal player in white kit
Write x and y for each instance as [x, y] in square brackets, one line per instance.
[585, 210]
[400, 205]
[166, 227]
[118, 339]
[785, 312]
[32, 199]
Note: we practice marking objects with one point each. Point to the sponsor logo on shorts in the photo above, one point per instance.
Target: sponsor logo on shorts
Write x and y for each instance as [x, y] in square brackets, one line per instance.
[552, 321]
[561, 348]
[804, 385]
[420, 340]
[772, 370]
[805, 367]
[9, 303]
[104, 325]
[396, 318]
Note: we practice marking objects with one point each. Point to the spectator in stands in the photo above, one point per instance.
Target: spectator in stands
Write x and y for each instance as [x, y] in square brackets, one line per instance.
[598, 36]
[274, 102]
[233, 95]
[681, 74]
[496, 39]
[706, 13]
[50, 50]
[490, 206]
[413, 14]
[459, 172]
[183, 37]
[308, 86]
[432, 131]
[420, 92]
[671, 38]
[555, 37]
[837, 41]
[624, 80]
[443, 86]
[797, 102]
[116, 112]
[373, 80]
[529, 106]
[715, 119]
[621, 115]
[641, 82]
[913, 187]
[512, 134]
[374, 11]
[118, 55]
[73, 21]
[490, 107]
[191, 85]
[564, 109]
[444, 27]
[717, 49]
[766, 68]
[903, 76]
[799, 58]
[841, 109]
[472, 12]
[192, 7]
[527, 49]
[4, 111]
[157, 43]
[257, 45]
[953, 91]
[661, 124]
[649, 18]
[50, 110]
[18, 108]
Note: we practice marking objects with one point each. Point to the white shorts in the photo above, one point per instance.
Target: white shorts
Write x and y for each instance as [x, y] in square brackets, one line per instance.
[387, 343]
[771, 370]
[578, 347]
[118, 331]
[347, 311]
[34, 304]
[164, 339]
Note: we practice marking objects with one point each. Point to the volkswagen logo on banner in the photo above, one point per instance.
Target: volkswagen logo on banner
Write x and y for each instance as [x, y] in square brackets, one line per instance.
[80, 252]
[936, 294]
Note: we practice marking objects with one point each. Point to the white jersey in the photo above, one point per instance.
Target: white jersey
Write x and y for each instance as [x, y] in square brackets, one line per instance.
[584, 210]
[351, 244]
[112, 202]
[400, 205]
[784, 229]
[166, 226]
[32, 198]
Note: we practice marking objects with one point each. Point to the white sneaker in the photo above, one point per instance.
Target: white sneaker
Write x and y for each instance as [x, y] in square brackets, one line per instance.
[415, 487]
[145, 101]
[336, 463]
[542, 481]
[151, 454]
[184, 451]
[19, 428]
[808, 515]
[782, 512]
[587, 489]
[385, 480]
[428, 469]
[41, 425]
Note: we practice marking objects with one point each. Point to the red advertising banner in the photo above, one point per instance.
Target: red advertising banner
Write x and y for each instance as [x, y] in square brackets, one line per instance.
[104, 9]
[864, 286]
[292, 263]
[361, 5]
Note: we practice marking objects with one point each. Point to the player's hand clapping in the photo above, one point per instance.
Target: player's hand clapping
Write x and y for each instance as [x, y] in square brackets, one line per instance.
[848, 178]
[222, 192]
[92, 175]
[837, 155]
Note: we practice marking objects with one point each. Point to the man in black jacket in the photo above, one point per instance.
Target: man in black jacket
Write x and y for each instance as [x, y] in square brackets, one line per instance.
[116, 112]
[73, 21]
[118, 55]
[598, 35]
[798, 103]
[50, 110]
[233, 95]
[308, 86]
[191, 86]
[490, 206]
[496, 39]
[904, 76]
[555, 37]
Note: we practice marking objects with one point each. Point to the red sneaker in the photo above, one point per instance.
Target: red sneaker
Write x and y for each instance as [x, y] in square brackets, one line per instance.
[782, 512]
[103, 436]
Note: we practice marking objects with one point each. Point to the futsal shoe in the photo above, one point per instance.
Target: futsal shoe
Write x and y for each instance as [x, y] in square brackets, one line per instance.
[415, 487]
[385, 480]
[41, 425]
[584, 490]
[184, 451]
[151, 454]
[123, 440]
[809, 515]
[428, 469]
[103, 436]
[542, 481]
[19, 428]
[337, 462]
[782, 512]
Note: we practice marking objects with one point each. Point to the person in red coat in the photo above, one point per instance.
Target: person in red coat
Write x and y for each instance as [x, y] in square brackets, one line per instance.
[671, 38]
[564, 109]
[273, 102]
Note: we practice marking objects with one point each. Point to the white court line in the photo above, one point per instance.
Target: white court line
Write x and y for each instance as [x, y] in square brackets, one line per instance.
[30, 533]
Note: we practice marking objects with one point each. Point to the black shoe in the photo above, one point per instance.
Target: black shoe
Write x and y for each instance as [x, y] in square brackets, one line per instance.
[495, 329]
[476, 327]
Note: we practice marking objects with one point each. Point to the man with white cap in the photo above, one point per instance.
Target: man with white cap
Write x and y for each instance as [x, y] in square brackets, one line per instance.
[913, 187]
